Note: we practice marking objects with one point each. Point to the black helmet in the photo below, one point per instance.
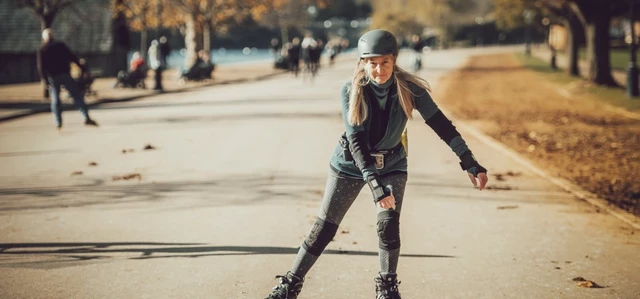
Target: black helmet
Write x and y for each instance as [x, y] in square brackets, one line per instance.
[377, 43]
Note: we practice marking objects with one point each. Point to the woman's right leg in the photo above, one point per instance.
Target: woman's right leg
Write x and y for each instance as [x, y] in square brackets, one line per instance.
[339, 194]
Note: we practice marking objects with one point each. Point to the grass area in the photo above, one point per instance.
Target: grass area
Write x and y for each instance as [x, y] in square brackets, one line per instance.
[619, 58]
[580, 87]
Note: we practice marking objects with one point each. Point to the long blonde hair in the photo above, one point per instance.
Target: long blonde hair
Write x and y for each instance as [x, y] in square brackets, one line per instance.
[358, 110]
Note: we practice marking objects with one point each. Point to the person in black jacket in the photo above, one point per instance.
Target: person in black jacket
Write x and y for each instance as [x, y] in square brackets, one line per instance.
[54, 58]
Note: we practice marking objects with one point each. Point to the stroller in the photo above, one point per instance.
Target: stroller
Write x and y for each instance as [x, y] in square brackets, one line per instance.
[134, 79]
[84, 84]
[199, 72]
[281, 62]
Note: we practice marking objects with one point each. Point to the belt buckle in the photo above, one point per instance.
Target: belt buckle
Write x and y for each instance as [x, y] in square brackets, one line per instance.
[378, 159]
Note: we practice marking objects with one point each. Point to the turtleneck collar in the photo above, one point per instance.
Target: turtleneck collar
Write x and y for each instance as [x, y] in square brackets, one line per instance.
[381, 90]
[383, 86]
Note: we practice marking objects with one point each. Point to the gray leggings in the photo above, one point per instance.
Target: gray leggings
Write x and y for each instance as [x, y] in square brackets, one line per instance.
[339, 195]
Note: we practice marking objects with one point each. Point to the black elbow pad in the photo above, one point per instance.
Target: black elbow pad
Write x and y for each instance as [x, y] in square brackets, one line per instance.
[440, 124]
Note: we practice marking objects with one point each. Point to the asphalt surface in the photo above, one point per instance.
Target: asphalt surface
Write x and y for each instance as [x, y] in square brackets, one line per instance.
[232, 186]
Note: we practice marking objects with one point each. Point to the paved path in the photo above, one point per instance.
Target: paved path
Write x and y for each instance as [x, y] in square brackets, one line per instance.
[19, 100]
[234, 184]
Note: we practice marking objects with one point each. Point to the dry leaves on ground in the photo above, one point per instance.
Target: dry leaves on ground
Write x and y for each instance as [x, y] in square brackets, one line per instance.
[577, 139]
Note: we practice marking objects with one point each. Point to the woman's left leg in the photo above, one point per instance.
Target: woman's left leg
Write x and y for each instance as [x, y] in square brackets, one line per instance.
[388, 225]
[388, 228]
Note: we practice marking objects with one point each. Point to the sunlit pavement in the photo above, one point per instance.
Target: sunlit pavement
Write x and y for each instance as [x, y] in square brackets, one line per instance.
[233, 182]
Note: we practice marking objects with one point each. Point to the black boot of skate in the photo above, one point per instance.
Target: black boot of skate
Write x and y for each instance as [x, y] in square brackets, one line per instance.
[288, 288]
[387, 286]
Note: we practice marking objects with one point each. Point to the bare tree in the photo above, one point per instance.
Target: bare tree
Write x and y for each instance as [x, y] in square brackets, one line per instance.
[204, 17]
[285, 14]
[141, 16]
[46, 10]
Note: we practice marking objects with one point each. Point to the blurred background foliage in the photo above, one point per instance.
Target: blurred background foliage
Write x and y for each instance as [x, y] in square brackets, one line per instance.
[592, 26]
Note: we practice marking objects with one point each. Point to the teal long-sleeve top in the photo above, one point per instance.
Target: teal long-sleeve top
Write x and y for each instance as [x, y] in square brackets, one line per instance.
[388, 108]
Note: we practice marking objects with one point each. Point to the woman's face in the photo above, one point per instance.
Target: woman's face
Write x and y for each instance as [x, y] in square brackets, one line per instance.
[380, 68]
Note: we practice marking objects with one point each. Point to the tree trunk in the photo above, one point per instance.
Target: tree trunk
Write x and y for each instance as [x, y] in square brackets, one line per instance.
[190, 42]
[121, 42]
[46, 21]
[284, 32]
[206, 37]
[573, 44]
[599, 48]
[595, 18]
[143, 42]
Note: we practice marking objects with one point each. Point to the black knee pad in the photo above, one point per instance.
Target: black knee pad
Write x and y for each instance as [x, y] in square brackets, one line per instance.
[389, 230]
[321, 234]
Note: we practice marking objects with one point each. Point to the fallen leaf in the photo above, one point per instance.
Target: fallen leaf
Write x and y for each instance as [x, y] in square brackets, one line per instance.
[579, 279]
[76, 173]
[127, 177]
[506, 207]
[588, 284]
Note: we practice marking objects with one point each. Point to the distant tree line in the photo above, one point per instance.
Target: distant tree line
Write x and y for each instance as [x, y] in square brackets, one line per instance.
[200, 20]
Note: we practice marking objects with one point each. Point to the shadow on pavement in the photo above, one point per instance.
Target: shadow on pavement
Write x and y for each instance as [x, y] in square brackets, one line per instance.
[37, 153]
[233, 190]
[223, 191]
[74, 252]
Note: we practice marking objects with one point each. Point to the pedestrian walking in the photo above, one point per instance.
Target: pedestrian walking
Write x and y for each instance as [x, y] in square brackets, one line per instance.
[54, 59]
[157, 63]
[417, 45]
[376, 104]
[294, 52]
[165, 50]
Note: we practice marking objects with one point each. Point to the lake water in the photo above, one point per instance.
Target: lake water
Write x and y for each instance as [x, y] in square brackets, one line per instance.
[225, 56]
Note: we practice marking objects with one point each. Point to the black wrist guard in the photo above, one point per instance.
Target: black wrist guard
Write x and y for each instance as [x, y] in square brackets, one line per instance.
[377, 189]
[469, 163]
